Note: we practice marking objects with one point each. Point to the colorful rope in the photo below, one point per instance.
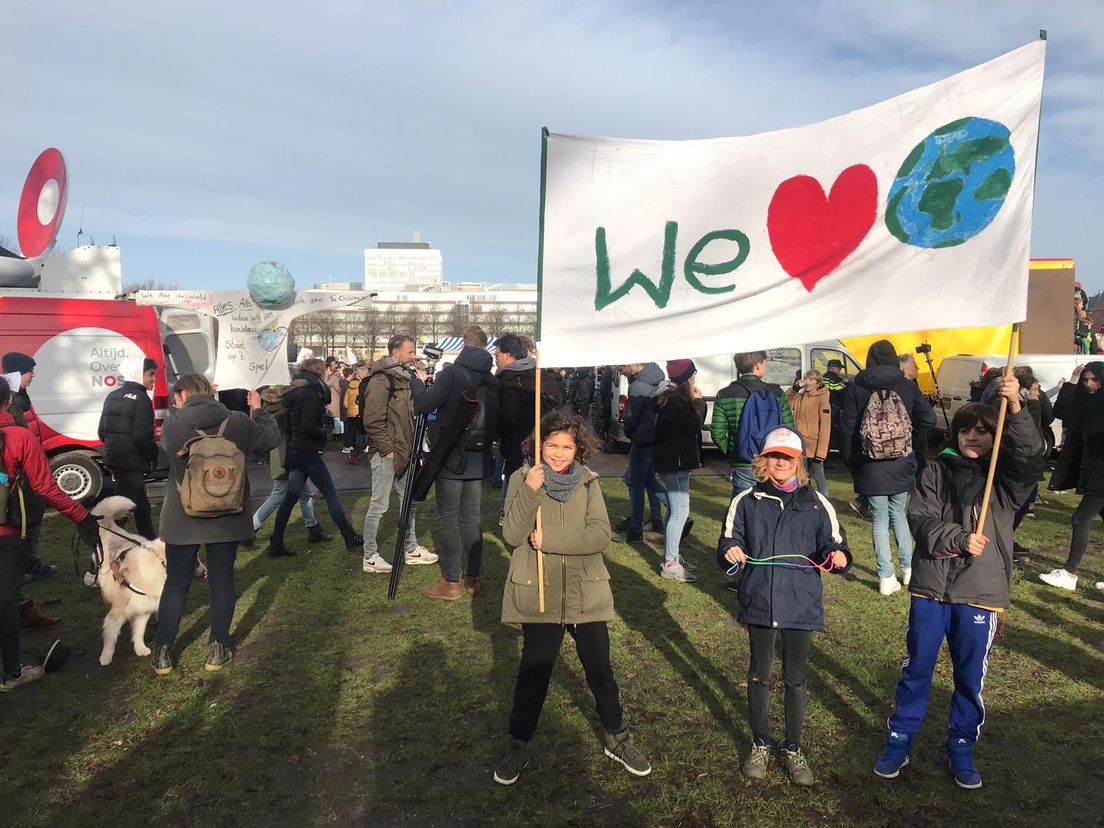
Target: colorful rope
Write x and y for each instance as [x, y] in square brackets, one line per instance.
[773, 560]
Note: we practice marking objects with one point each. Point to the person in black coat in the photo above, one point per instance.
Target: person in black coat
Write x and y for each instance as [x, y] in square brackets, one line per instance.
[885, 482]
[785, 533]
[1080, 407]
[680, 413]
[517, 387]
[126, 431]
[305, 433]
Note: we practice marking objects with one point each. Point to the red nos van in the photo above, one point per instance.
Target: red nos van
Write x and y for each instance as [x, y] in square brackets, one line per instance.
[77, 343]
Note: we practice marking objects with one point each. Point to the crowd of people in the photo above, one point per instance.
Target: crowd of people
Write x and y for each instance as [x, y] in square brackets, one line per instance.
[780, 531]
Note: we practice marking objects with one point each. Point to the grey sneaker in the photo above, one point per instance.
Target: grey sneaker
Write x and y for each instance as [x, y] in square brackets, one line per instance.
[621, 749]
[757, 763]
[797, 766]
[513, 763]
[26, 676]
[162, 660]
[675, 571]
[219, 657]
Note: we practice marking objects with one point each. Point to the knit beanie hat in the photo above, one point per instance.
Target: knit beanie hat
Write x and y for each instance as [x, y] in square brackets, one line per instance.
[16, 361]
[680, 370]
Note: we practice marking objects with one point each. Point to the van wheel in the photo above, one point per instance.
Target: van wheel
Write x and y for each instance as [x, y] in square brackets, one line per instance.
[78, 475]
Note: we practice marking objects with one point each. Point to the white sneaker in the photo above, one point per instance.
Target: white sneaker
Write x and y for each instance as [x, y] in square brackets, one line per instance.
[674, 571]
[419, 555]
[1100, 584]
[1060, 578]
[888, 586]
[347, 450]
[906, 575]
[376, 564]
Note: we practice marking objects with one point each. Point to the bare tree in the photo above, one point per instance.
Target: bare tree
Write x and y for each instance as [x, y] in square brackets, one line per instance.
[393, 319]
[493, 318]
[134, 287]
[371, 326]
[436, 320]
[457, 320]
[413, 320]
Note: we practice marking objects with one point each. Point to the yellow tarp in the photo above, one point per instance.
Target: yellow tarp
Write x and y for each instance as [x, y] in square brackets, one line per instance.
[948, 342]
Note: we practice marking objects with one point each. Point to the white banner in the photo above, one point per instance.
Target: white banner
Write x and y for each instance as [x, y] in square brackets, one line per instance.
[910, 214]
[252, 350]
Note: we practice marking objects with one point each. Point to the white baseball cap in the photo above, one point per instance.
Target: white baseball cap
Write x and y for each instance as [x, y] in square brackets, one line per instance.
[784, 441]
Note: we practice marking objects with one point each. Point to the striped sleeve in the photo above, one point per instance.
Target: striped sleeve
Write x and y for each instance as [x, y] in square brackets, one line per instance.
[830, 534]
[733, 532]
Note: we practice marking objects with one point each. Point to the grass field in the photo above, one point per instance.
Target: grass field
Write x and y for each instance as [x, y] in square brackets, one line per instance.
[342, 708]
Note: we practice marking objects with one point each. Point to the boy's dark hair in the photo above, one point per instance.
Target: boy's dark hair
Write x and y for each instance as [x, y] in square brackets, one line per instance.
[315, 366]
[194, 384]
[587, 444]
[149, 365]
[1025, 375]
[969, 416]
[510, 343]
[396, 342]
[746, 362]
[475, 337]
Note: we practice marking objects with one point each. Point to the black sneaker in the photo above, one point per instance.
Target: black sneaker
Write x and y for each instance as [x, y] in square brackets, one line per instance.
[162, 659]
[316, 534]
[659, 526]
[354, 541]
[219, 657]
[628, 537]
[276, 549]
[513, 763]
[621, 525]
[733, 586]
[249, 543]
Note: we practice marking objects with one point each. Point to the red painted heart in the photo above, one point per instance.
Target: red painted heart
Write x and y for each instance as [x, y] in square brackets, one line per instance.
[812, 234]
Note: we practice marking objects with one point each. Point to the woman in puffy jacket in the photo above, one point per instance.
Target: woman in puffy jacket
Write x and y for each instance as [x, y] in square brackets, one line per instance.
[575, 532]
[680, 413]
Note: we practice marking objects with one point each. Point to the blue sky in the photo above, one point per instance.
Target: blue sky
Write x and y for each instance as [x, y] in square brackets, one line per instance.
[208, 136]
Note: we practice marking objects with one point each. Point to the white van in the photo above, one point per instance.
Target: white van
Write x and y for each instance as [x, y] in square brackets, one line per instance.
[957, 372]
[784, 365]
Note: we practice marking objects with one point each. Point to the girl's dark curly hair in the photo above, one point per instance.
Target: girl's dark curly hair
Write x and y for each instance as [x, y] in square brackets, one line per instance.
[587, 444]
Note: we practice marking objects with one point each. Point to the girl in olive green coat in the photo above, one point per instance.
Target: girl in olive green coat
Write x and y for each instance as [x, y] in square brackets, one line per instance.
[575, 532]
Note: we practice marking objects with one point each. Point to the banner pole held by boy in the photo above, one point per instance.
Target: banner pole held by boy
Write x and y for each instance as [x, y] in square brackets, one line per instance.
[1013, 342]
[537, 459]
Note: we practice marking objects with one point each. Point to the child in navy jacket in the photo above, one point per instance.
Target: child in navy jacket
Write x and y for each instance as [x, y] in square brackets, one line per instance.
[785, 533]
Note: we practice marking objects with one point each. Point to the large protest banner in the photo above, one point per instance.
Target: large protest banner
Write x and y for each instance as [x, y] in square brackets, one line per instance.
[913, 213]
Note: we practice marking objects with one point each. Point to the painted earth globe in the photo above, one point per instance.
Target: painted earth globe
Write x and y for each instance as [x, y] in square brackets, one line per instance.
[271, 285]
[952, 185]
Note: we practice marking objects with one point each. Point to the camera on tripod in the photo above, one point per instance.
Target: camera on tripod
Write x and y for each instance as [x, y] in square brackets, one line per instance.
[432, 355]
[923, 348]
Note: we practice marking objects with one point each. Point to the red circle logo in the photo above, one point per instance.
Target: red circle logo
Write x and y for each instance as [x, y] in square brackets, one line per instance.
[42, 204]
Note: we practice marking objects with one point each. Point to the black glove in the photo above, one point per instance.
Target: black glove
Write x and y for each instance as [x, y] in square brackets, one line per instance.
[89, 531]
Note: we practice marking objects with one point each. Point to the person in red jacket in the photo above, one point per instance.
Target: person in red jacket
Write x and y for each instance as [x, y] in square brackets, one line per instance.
[23, 462]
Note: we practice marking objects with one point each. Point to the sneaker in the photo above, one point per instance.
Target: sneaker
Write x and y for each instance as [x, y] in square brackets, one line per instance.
[513, 763]
[353, 540]
[352, 460]
[162, 660]
[757, 763]
[690, 567]
[219, 656]
[960, 756]
[1020, 554]
[92, 578]
[628, 537]
[501, 518]
[38, 568]
[347, 450]
[861, 508]
[316, 534]
[32, 618]
[443, 590]
[797, 766]
[276, 549]
[26, 676]
[659, 526]
[733, 586]
[376, 564]
[1100, 584]
[686, 527]
[674, 571]
[890, 585]
[622, 525]
[1060, 578]
[250, 542]
[906, 575]
[471, 584]
[898, 751]
[420, 556]
[620, 748]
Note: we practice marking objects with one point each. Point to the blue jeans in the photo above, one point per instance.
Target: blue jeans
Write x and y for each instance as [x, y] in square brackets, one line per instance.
[816, 471]
[742, 479]
[179, 564]
[887, 509]
[279, 489]
[305, 465]
[641, 478]
[678, 501]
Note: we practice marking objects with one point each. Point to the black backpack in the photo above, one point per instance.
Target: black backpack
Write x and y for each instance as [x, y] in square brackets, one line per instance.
[483, 391]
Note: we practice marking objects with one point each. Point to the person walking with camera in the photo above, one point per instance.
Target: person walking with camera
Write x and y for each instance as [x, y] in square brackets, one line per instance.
[388, 418]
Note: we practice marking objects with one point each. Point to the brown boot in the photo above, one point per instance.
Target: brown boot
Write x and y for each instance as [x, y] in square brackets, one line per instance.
[32, 618]
[472, 584]
[443, 590]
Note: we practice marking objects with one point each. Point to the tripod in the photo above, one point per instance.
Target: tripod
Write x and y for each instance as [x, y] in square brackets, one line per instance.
[407, 505]
[925, 349]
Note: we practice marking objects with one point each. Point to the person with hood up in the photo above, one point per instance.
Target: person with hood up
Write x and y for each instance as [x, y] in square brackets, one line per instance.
[388, 417]
[126, 431]
[881, 410]
[517, 384]
[962, 575]
[812, 411]
[1080, 407]
[22, 411]
[196, 409]
[785, 533]
[459, 483]
[304, 427]
[640, 427]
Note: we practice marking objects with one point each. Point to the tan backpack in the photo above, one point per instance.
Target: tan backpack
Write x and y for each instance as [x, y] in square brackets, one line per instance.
[214, 479]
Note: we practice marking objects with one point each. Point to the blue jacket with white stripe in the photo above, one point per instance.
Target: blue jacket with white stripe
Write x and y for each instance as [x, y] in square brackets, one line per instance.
[764, 522]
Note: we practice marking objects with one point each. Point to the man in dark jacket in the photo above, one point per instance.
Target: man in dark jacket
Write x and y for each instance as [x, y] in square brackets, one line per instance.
[305, 433]
[465, 442]
[517, 388]
[885, 482]
[640, 476]
[126, 431]
[21, 409]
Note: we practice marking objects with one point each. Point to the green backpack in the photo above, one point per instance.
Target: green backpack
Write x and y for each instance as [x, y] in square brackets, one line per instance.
[214, 479]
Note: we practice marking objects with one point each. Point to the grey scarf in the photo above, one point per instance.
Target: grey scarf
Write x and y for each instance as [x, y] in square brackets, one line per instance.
[560, 485]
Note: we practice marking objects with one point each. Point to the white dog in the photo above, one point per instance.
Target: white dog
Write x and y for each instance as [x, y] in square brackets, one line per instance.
[131, 577]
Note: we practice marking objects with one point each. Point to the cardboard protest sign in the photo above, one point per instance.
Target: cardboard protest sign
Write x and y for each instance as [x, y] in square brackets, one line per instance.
[913, 213]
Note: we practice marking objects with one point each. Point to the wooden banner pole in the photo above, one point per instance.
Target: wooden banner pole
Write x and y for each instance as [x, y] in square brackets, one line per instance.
[537, 460]
[1013, 342]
